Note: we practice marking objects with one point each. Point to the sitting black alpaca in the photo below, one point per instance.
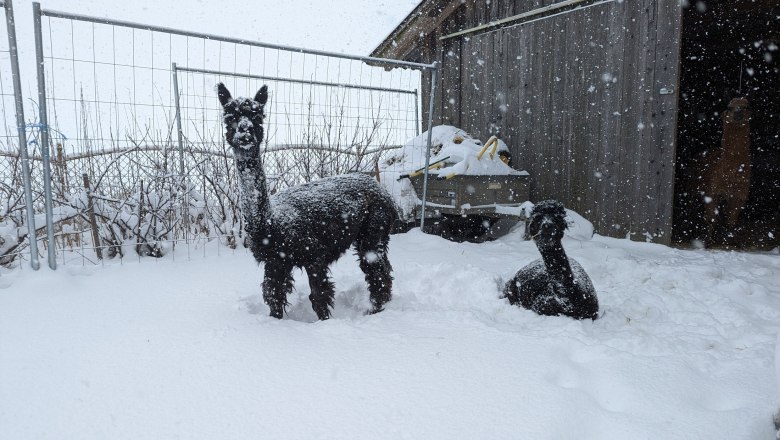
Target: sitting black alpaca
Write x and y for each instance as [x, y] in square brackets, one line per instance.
[308, 226]
[555, 284]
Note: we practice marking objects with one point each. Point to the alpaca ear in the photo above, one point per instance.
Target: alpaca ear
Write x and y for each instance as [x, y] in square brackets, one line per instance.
[262, 95]
[224, 94]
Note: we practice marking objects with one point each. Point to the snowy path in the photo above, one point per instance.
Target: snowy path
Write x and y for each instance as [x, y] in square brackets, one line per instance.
[176, 349]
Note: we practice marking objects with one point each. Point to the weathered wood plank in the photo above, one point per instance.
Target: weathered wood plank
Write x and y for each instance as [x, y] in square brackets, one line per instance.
[594, 61]
[610, 119]
[576, 93]
[561, 155]
[666, 74]
[638, 55]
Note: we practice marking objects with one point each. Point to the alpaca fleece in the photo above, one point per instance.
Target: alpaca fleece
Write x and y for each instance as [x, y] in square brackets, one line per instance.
[727, 173]
[555, 284]
[308, 226]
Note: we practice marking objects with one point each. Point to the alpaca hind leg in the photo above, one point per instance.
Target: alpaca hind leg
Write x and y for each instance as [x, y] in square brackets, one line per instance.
[376, 266]
[322, 291]
[510, 291]
[277, 284]
[734, 207]
[371, 246]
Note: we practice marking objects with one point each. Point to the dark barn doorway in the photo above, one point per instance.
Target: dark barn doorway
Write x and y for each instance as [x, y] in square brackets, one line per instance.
[730, 49]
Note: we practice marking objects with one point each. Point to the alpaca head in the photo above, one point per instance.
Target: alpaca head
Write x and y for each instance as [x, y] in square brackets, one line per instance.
[547, 223]
[738, 112]
[243, 118]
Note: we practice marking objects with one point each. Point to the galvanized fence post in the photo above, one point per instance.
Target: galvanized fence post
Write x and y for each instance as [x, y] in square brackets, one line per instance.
[20, 127]
[417, 112]
[434, 78]
[44, 135]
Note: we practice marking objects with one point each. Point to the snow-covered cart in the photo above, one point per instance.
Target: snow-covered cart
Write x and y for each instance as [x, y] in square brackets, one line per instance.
[473, 207]
[473, 194]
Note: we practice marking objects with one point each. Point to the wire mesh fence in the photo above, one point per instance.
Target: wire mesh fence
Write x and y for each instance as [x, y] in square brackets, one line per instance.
[314, 128]
[18, 235]
[123, 183]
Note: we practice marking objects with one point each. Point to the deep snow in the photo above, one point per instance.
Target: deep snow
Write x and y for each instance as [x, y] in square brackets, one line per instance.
[182, 348]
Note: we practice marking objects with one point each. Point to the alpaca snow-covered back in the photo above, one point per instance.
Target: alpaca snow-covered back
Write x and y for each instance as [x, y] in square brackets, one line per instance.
[308, 226]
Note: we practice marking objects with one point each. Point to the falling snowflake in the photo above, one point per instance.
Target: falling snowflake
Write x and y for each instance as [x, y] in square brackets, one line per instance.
[371, 257]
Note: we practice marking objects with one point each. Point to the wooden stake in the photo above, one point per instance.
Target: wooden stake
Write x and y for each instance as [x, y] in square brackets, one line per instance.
[92, 219]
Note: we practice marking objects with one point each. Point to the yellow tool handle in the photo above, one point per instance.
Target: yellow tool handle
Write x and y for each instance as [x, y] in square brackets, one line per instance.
[495, 147]
[432, 167]
[492, 140]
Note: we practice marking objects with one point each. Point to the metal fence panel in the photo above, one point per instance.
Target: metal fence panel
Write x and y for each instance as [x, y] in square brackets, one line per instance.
[122, 183]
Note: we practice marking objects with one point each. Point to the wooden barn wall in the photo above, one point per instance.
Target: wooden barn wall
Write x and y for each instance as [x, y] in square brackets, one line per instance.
[576, 97]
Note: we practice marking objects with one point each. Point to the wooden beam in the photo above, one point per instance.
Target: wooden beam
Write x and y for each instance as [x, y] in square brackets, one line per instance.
[425, 18]
[518, 19]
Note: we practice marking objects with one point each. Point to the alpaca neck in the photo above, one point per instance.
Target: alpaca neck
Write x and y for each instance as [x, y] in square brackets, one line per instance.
[736, 140]
[254, 195]
[557, 263]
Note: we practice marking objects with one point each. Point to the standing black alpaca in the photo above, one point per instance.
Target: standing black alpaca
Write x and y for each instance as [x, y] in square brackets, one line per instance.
[555, 284]
[308, 226]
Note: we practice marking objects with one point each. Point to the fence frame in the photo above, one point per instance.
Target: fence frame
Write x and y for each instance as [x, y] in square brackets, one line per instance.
[38, 13]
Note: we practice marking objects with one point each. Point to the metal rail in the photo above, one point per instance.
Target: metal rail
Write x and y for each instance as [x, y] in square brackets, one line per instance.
[294, 81]
[167, 30]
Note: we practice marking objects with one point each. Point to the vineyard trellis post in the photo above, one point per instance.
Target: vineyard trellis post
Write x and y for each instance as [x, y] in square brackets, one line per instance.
[22, 132]
[180, 136]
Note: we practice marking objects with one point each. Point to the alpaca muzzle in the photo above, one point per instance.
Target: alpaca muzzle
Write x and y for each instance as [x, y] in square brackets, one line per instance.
[738, 115]
[244, 137]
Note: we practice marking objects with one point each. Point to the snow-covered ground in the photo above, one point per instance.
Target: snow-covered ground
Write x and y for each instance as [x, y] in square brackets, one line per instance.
[182, 348]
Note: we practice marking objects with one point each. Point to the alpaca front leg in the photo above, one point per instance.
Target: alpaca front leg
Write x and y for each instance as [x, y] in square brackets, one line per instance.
[378, 272]
[711, 216]
[734, 207]
[278, 283]
[511, 291]
[322, 291]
